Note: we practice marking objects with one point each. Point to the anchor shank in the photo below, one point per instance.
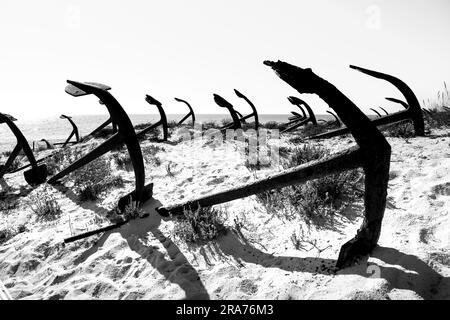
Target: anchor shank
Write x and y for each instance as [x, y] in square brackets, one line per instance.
[106, 146]
[347, 160]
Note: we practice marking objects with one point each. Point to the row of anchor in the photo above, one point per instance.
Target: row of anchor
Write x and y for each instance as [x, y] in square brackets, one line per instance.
[372, 152]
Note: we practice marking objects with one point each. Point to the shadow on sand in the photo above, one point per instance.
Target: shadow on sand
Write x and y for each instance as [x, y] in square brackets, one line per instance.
[414, 274]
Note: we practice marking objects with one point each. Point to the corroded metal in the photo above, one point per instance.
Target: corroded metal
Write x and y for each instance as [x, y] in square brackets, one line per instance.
[242, 118]
[125, 135]
[336, 118]
[190, 113]
[384, 110]
[372, 154]
[413, 110]
[38, 173]
[162, 121]
[376, 111]
[221, 102]
[74, 132]
[301, 121]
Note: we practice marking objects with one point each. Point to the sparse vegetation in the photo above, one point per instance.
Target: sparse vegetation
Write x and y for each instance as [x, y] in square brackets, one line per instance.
[273, 125]
[400, 130]
[315, 199]
[211, 125]
[132, 211]
[43, 203]
[150, 154]
[201, 225]
[122, 160]
[6, 234]
[91, 180]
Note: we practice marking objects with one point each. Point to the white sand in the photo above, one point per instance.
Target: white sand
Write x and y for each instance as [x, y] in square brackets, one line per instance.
[145, 260]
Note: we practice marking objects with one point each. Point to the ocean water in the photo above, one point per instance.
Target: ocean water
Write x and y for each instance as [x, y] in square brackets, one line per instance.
[57, 130]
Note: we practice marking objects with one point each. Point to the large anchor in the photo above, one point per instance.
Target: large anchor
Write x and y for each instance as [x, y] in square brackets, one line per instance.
[336, 122]
[38, 173]
[372, 154]
[73, 133]
[377, 112]
[413, 111]
[104, 124]
[234, 114]
[190, 114]
[125, 135]
[244, 118]
[162, 121]
[296, 116]
[303, 120]
[384, 110]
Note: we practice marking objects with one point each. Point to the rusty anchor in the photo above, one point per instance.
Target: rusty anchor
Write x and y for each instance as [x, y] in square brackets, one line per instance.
[384, 110]
[162, 121]
[372, 154]
[376, 111]
[38, 173]
[221, 102]
[336, 122]
[296, 123]
[297, 116]
[73, 133]
[125, 135]
[190, 113]
[413, 110]
[242, 118]
[104, 124]
[47, 144]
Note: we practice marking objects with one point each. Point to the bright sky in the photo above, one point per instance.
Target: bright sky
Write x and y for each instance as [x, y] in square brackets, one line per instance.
[192, 49]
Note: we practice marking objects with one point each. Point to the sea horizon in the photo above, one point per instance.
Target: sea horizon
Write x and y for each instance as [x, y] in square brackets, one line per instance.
[54, 129]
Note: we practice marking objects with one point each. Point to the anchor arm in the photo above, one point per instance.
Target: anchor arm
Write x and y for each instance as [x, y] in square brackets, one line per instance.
[254, 111]
[163, 119]
[378, 114]
[225, 104]
[375, 153]
[74, 129]
[411, 99]
[126, 135]
[349, 159]
[191, 112]
[335, 117]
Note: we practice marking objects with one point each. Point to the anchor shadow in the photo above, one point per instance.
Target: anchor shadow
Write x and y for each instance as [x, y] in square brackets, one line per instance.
[176, 270]
[413, 274]
[404, 272]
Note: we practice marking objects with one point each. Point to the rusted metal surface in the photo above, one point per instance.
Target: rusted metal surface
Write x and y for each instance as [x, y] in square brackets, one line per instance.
[48, 144]
[294, 124]
[162, 121]
[384, 110]
[336, 118]
[73, 133]
[376, 111]
[242, 118]
[190, 113]
[221, 102]
[125, 135]
[413, 110]
[254, 113]
[372, 154]
[38, 173]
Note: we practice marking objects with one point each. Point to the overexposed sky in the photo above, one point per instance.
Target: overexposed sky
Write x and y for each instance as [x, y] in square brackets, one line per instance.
[192, 49]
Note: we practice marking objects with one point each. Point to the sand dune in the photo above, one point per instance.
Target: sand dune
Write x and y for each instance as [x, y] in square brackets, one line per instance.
[144, 259]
